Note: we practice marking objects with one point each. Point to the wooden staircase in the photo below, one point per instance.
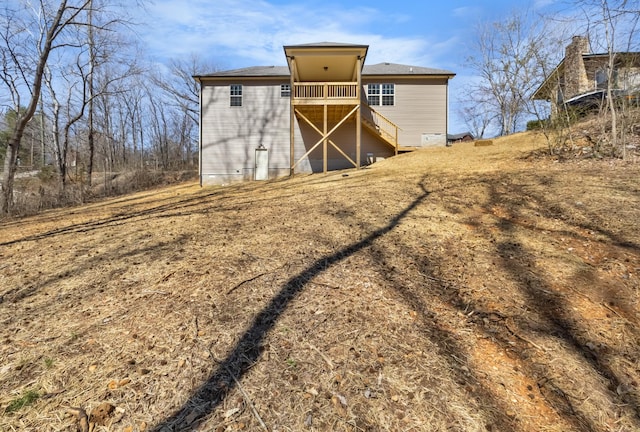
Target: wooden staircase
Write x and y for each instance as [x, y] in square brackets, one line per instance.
[380, 126]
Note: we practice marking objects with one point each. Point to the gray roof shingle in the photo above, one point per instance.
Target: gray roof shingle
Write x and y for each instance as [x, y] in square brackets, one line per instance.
[253, 71]
[400, 69]
[283, 71]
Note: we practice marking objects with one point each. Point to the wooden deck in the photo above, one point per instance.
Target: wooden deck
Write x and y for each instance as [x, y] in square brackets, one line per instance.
[321, 104]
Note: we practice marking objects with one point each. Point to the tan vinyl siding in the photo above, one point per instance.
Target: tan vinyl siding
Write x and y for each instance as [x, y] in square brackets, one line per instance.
[230, 134]
[420, 108]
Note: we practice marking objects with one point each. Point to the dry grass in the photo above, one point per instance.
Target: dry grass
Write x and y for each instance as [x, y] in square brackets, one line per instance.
[451, 289]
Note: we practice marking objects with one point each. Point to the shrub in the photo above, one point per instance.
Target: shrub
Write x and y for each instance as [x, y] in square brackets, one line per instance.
[47, 174]
[536, 124]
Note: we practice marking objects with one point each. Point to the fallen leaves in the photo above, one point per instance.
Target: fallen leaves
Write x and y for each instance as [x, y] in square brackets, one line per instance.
[116, 384]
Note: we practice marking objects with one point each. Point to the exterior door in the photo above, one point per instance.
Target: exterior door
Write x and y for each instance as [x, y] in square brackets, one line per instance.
[262, 164]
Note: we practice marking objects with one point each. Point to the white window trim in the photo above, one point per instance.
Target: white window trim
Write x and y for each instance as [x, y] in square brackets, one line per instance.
[285, 90]
[391, 94]
[377, 90]
[373, 94]
[236, 96]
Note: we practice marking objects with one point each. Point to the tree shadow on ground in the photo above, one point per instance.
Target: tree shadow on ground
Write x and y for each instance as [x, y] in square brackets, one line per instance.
[419, 297]
[249, 348]
[551, 310]
[546, 313]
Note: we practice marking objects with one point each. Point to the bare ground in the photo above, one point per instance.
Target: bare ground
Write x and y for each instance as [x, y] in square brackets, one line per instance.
[458, 289]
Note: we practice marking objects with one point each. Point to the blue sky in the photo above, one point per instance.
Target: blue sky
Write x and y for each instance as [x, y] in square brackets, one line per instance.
[233, 33]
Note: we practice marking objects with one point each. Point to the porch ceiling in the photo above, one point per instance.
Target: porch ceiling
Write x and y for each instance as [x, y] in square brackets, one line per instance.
[318, 63]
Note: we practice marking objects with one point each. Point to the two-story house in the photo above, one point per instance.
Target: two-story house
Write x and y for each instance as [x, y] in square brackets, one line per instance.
[325, 110]
[582, 78]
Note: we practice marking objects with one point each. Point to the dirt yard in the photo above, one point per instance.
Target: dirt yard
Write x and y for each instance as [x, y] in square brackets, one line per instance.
[451, 289]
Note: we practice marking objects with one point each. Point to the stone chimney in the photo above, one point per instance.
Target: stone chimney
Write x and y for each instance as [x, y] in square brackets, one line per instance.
[575, 74]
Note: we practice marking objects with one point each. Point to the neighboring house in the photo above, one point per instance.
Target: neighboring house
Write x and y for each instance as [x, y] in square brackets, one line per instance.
[581, 78]
[459, 137]
[326, 110]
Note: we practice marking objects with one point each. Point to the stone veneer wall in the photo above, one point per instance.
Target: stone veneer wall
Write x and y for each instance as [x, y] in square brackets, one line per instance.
[575, 74]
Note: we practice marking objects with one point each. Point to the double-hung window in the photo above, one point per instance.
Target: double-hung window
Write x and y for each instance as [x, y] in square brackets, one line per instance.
[388, 94]
[373, 94]
[235, 95]
[381, 94]
[285, 90]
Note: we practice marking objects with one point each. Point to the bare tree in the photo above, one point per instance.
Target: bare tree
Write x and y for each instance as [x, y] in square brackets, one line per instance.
[69, 111]
[182, 90]
[26, 42]
[30, 156]
[476, 111]
[181, 93]
[133, 113]
[116, 88]
[90, 84]
[83, 35]
[506, 57]
[112, 58]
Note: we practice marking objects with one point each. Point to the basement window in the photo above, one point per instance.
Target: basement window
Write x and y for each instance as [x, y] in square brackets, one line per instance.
[381, 94]
[285, 90]
[235, 95]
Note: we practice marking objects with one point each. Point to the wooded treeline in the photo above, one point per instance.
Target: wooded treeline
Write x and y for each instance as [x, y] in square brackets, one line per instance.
[80, 101]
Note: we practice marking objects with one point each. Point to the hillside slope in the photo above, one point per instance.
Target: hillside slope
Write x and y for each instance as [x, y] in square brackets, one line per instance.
[450, 289]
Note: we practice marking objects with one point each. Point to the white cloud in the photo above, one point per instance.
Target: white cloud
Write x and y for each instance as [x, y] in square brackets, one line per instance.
[234, 33]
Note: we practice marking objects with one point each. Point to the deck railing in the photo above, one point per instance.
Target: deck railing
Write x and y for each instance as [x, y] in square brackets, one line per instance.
[325, 91]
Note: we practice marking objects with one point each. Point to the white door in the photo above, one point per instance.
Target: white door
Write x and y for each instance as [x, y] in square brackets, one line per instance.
[262, 164]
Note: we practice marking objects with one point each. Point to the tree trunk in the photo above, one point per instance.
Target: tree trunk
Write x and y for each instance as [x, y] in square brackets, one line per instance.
[92, 60]
[9, 173]
[6, 197]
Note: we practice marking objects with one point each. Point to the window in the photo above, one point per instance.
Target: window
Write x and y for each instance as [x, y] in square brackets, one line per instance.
[235, 95]
[388, 94]
[373, 94]
[381, 94]
[601, 79]
[285, 90]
